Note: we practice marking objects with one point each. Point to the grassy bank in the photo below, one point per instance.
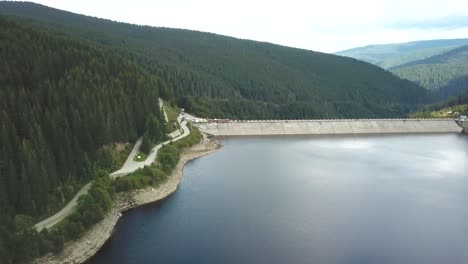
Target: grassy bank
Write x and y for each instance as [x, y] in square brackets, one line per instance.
[141, 156]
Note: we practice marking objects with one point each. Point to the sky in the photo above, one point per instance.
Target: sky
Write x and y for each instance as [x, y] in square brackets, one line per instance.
[326, 26]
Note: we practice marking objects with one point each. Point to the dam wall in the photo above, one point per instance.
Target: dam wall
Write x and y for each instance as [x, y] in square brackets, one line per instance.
[328, 127]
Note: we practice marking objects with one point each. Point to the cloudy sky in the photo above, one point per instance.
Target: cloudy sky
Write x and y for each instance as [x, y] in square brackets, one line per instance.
[328, 25]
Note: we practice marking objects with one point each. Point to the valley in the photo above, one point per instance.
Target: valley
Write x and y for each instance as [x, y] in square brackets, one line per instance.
[99, 116]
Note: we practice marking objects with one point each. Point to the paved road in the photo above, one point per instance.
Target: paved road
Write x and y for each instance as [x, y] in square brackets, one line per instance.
[130, 161]
[132, 165]
[129, 166]
[194, 118]
[174, 134]
[66, 211]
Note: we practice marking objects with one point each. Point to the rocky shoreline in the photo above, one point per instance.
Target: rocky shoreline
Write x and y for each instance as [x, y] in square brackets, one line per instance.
[83, 249]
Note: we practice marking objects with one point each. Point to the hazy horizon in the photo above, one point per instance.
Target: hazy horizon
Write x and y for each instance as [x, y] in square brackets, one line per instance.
[329, 26]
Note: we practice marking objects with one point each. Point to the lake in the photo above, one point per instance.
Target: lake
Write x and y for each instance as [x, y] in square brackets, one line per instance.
[308, 199]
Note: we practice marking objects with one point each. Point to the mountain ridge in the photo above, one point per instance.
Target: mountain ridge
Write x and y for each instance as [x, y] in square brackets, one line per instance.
[446, 74]
[389, 56]
[217, 76]
[438, 58]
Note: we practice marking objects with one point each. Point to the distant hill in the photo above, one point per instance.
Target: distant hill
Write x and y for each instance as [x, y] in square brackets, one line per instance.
[445, 74]
[393, 55]
[219, 76]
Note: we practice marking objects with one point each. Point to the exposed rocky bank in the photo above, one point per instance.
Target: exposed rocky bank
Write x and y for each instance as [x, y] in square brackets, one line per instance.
[83, 249]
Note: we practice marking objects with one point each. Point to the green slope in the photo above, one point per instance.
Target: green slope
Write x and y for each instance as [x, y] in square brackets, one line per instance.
[446, 74]
[393, 55]
[448, 109]
[218, 76]
[63, 103]
[446, 112]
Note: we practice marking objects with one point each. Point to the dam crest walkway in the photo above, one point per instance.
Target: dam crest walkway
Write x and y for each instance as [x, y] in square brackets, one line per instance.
[224, 127]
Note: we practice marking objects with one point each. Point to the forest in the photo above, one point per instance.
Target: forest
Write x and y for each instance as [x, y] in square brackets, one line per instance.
[450, 108]
[445, 74]
[219, 76]
[74, 89]
[63, 105]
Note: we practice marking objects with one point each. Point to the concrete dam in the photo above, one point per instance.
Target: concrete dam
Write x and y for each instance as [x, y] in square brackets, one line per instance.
[328, 126]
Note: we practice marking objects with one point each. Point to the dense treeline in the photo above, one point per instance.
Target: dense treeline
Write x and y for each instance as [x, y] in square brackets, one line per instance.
[451, 108]
[223, 76]
[445, 74]
[62, 104]
[459, 100]
[238, 108]
[154, 133]
[433, 76]
[447, 112]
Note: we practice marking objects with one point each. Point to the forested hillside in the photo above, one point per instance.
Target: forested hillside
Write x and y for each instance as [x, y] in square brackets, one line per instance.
[62, 103]
[217, 76]
[389, 56]
[451, 108]
[445, 74]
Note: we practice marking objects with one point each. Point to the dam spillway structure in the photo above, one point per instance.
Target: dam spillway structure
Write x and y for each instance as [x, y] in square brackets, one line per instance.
[224, 127]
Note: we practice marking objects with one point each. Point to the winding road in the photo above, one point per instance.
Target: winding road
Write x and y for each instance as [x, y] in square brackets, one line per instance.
[67, 210]
[129, 166]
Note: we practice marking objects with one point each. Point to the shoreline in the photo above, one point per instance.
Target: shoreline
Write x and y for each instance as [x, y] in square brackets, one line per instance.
[86, 247]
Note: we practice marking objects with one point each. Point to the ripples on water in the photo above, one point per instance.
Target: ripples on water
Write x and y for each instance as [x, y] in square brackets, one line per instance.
[341, 199]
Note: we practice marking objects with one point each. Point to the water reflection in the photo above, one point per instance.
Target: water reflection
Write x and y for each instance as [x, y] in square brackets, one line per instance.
[333, 200]
[452, 162]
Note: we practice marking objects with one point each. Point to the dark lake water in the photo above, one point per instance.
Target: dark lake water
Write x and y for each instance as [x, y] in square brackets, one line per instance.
[346, 199]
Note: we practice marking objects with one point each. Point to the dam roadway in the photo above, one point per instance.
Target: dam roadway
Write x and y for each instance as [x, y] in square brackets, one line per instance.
[328, 126]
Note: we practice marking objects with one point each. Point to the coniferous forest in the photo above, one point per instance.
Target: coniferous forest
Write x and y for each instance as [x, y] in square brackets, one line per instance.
[446, 74]
[61, 102]
[450, 108]
[71, 86]
[218, 76]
